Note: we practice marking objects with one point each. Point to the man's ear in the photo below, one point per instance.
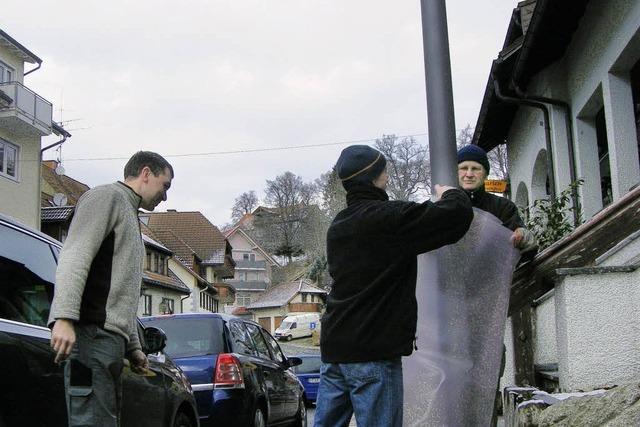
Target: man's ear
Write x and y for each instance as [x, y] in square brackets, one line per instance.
[145, 172]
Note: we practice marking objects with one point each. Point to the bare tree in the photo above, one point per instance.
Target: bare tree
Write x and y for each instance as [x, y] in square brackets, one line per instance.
[281, 226]
[244, 204]
[333, 194]
[407, 166]
[497, 156]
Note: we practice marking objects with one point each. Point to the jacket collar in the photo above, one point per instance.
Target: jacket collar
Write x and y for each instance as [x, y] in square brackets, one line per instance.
[365, 192]
[477, 195]
[133, 197]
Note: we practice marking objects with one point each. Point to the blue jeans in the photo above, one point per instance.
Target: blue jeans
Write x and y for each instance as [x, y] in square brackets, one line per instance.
[371, 390]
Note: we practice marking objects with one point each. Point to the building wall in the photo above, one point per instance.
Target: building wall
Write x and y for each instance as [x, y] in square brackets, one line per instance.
[14, 62]
[593, 74]
[598, 337]
[271, 312]
[594, 337]
[192, 303]
[545, 347]
[21, 198]
[157, 294]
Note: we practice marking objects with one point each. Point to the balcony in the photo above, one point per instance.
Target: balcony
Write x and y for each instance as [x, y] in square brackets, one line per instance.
[24, 112]
[250, 265]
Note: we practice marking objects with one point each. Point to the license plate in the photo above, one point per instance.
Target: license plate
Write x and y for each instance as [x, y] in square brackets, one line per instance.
[313, 380]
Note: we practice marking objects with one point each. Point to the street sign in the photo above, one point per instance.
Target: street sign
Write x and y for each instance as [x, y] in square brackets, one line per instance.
[495, 185]
[312, 325]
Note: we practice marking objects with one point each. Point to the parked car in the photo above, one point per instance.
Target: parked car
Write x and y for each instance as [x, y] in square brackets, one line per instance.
[238, 372]
[309, 375]
[32, 391]
[297, 326]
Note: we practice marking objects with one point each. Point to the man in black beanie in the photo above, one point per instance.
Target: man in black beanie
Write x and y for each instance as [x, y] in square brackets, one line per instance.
[371, 314]
[473, 170]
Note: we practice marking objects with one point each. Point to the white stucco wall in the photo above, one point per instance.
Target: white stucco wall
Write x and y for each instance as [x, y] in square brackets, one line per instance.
[597, 329]
[14, 62]
[593, 74]
[509, 376]
[545, 349]
[21, 198]
[156, 298]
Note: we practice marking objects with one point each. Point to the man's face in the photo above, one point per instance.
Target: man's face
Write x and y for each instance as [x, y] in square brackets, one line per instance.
[382, 180]
[471, 175]
[154, 189]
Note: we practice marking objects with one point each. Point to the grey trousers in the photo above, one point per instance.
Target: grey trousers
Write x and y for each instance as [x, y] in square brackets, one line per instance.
[92, 377]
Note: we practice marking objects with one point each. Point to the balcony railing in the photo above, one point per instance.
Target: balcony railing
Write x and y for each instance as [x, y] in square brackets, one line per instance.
[23, 110]
[257, 265]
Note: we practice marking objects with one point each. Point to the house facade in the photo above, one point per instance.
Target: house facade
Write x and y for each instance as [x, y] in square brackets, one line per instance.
[273, 305]
[198, 244]
[25, 117]
[253, 270]
[162, 292]
[564, 96]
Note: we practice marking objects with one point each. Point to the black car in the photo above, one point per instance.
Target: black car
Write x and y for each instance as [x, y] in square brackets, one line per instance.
[239, 374]
[32, 388]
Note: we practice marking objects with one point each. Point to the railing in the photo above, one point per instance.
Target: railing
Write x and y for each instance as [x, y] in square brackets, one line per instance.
[34, 108]
[251, 264]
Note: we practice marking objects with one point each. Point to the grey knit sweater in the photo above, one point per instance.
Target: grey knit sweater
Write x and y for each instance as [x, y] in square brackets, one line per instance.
[100, 267]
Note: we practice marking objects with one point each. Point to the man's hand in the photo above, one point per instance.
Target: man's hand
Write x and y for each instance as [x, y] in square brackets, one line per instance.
[441, 189]
[63, 337]
[517, 237]
[139, 362]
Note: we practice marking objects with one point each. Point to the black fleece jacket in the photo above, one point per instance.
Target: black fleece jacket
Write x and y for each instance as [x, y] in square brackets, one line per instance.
[504, 209]
[372, 249]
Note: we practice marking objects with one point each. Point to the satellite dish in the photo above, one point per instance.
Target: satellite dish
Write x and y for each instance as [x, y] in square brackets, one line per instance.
[59, 199]
[60, 169]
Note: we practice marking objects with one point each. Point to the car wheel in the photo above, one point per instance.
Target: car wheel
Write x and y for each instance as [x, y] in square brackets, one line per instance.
[301, 416]
[182, 420]
[258, 418]
[289, 337]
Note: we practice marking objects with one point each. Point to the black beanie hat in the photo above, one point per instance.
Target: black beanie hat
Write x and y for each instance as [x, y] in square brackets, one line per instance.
[359, 164]
[474, 153]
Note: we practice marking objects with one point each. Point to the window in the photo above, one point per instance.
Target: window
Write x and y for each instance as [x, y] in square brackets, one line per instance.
[166, 306]
[241, 339]
[309, 365]
[161, 269]
[6, 73]
[304, 297]
[603, 158]
[8, 159]
[245, 257]
[147, 305]
[148, 261]
[188, 337]
[252, 257]
[275, 348]
[258, 339]
[243, 300]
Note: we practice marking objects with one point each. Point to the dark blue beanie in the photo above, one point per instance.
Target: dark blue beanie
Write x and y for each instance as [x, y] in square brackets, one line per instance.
[359, 164]
[474, 153]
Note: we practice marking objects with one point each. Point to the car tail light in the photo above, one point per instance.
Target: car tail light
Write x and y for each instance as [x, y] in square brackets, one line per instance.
[228, 372]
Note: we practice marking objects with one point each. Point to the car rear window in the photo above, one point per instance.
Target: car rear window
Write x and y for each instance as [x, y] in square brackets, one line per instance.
[310, 365]
[190, 336]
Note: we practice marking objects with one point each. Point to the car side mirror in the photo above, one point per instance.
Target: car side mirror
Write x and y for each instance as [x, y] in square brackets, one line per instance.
[293, 361]
[155, 339]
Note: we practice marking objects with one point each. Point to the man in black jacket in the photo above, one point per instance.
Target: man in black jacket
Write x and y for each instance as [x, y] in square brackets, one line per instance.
[371, 314]
[473, 170]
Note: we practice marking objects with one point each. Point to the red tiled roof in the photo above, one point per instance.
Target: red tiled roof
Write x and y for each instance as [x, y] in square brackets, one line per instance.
[194, 230]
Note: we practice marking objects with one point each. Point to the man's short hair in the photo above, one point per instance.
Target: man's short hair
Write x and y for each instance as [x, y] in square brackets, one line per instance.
[154, 161]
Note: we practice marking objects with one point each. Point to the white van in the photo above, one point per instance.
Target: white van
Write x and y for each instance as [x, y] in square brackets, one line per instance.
[297, 325]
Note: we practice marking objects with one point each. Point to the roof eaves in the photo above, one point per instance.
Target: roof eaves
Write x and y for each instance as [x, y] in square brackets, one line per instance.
[26, 54]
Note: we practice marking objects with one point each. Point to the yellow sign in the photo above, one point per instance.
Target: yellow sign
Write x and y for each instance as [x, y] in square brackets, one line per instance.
[495, 185]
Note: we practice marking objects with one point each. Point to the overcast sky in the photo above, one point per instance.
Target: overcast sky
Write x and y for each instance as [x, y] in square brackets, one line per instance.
[204, 76]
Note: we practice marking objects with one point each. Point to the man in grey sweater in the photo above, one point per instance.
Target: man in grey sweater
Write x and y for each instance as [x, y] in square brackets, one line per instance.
[93, 314]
